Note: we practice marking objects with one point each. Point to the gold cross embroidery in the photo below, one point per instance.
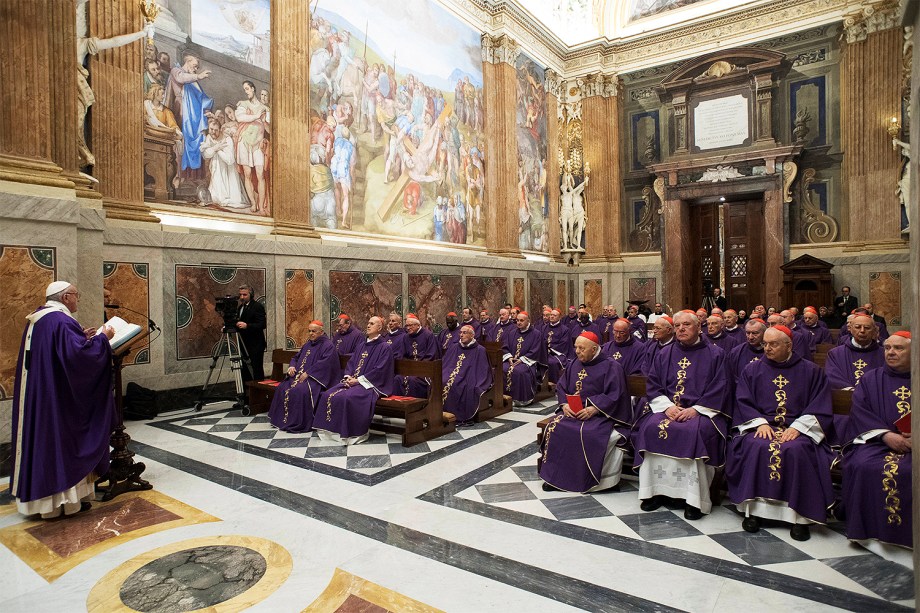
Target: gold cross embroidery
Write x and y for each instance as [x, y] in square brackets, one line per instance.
[617, 355]
[860, 364]
[581, 377]
[781, 381]
[903, 393]
[684, 363]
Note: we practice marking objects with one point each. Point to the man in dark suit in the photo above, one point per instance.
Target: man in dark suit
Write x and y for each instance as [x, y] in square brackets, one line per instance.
[251, 326]
[845, 303]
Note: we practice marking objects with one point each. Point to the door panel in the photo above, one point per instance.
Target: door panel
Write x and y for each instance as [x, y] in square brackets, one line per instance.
[744, 258]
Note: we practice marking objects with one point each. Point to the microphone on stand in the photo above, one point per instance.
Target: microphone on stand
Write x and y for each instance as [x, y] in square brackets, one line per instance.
[150, 323]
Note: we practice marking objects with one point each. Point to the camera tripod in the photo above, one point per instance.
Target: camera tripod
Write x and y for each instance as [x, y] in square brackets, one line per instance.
[238, 357]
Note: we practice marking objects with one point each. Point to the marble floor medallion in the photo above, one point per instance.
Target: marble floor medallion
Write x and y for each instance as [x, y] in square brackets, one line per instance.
[224, 573]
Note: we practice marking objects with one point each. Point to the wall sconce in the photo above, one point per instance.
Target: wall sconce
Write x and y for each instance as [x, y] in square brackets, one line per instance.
[894, 127]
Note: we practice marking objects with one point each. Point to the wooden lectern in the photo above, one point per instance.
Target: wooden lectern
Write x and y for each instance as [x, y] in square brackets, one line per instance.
[124, 473]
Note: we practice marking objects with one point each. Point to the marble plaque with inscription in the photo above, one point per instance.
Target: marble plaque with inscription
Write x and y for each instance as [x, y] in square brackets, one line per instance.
[721, 122]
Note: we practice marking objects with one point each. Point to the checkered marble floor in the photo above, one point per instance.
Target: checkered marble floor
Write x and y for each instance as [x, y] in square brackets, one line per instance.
[827, 558]
[543, 407]
[379, 458]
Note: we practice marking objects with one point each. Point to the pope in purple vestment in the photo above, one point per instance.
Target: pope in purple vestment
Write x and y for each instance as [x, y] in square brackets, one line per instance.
[779, 462]
[418, 343]
[314, 369]
[625, 348]
[346, 410]
[582, 451]
[877, 464]
[466, 376]
[524, 361]
[63, 408]
[559, 347]
[347, 337]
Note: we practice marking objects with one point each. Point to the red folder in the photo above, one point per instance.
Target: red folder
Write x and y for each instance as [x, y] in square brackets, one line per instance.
[903, 424]
[575, 403]
[271, 382]
[401, 398]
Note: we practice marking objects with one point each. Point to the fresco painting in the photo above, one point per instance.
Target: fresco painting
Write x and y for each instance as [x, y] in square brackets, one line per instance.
[647, 8]
[396, 102]
[533, 200]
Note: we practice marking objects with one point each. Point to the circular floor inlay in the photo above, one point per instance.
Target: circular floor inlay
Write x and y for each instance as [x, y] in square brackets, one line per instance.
[193, 579]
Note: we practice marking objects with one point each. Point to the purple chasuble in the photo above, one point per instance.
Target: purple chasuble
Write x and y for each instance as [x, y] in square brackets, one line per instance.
[803, 344]
[629, 354]
[605, 325]
[821, 333]
[419, 346]
[584, 327]
[559, 348]
[500, 331]
[640, 330]
[474, 324]
[739, 357]
[395, 341]
[797, 472]
[448, 337]
[686, 376]
[876, 480]
[737, 333]
[486, 330]
[349, 410]
[345, 344]
[724, 342]
[652, 349]
[295, 402]
[570, 321]
[845, 366]
[63, 406]
[573, 451]
[521, 380]
[466, 376]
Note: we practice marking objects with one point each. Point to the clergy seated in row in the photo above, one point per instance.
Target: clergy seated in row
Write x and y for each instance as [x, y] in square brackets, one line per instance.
[801, 341]
[503, 327]
[312, 371]
[662, 336]
[605, 323]
[347, 337]
[62, 409]
[625, 348]
[524, 361]
[731, 327]
[815, 326]
[486, 325]
[450, 334]
[584, 324]
[637, 322]
[541, 324]
[846, 332]
[394, 334]
[715, 325]
[417, 344]
[680, 439]
[466, 375]
[750, 351]
[798, 330]
[582, 448]
[559, 348]
[877, 472]
[571, 318]
[779, 462]
[345, 410]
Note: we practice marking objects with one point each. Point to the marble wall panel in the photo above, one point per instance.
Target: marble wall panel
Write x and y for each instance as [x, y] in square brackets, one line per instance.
[25, 272]
[127, 284]
[489, 293]
[885, 294]
[298, 306]
[541, 292]
[364, 294]
[594, 296]
[432, 297]
[518, 293]
[573, 297]
[198, 324]
[562, 295]
[642, 288]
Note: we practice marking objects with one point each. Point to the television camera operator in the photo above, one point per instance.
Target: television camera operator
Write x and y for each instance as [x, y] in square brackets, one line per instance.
[250, 327]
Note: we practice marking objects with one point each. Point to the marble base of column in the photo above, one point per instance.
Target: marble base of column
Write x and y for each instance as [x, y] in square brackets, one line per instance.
[33, 172]
[292, 228]
[129, 211]
[506, 253]
[83, 186]
[601, 259]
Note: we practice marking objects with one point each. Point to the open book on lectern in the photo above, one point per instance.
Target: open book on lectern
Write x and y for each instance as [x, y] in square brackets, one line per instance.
[124, 331]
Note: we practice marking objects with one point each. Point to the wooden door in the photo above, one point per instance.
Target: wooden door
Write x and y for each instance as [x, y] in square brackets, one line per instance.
[743, 242]
[705, 265]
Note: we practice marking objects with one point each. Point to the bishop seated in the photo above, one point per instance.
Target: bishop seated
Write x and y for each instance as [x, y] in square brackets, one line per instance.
[466, 376]
[524, 361]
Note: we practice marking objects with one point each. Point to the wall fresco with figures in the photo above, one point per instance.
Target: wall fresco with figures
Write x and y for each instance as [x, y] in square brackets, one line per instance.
[533, 200]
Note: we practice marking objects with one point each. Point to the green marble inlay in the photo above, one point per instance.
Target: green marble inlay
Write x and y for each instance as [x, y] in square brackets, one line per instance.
[184, 312]
[140, 270]
[108, 268]
[222, 274]
[43, 257]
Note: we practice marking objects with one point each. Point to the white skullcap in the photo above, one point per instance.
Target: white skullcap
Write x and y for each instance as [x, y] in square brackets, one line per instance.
[57, 286]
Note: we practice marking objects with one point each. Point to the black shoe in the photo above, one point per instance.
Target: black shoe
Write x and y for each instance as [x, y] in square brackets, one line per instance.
[800, 532]
[652, 504]
[692, 513]
[751, 524]
[549, 488]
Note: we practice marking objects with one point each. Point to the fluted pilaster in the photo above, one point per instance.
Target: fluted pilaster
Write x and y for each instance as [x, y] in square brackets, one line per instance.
[554, 87]
[290, 84]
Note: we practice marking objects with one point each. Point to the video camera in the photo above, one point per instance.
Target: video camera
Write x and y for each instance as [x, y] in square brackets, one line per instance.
[229, 309]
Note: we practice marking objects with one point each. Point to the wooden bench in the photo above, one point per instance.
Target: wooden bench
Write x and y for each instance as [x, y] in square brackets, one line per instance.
[260, 394]
[424, 418]
[494, 402]
[821, 351]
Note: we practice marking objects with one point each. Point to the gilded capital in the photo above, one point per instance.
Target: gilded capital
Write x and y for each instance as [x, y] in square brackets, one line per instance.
[874, 16]
[555, 85]
[498, 49]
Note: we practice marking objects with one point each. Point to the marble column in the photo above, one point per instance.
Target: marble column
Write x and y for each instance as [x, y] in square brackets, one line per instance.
[290, 84]
[555, 91]
[25, 124]
[499, 54]
[117, 117]
[675, 254]
[870, 94]
[601, 133]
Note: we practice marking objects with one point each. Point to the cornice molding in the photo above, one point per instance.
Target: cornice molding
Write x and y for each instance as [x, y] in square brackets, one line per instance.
[498, 49]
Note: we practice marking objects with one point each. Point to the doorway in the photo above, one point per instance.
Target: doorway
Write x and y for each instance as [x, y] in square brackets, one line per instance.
[729, 252]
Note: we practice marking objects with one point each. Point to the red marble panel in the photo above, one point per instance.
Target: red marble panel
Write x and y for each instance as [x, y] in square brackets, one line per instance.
[356, 604]
[298, 306]
[127, 284]
[885, 295]
[643, 289]
[490, 293]
[364, 294]
[84, 530]
[432, 297]
[198, 325]
[518, 293]
[562, 296]
[541, 292]
[25, 272]
[594, 296]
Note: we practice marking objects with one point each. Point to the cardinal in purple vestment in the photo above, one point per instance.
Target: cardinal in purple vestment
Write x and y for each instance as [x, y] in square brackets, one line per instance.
[314, 369]
[779, 462]
[625, 349]
[716, 332]
[582, 451]
[418, 343]
[346, 410]
[63, 408]
[559, 347]
[347, 337]
[524, 361]
[466, 376]
[877, 464]
[450, 334]
[816, 327]
[750, 351]
[486, 327]
[502, 327]
[662, 336]
[393, 335]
